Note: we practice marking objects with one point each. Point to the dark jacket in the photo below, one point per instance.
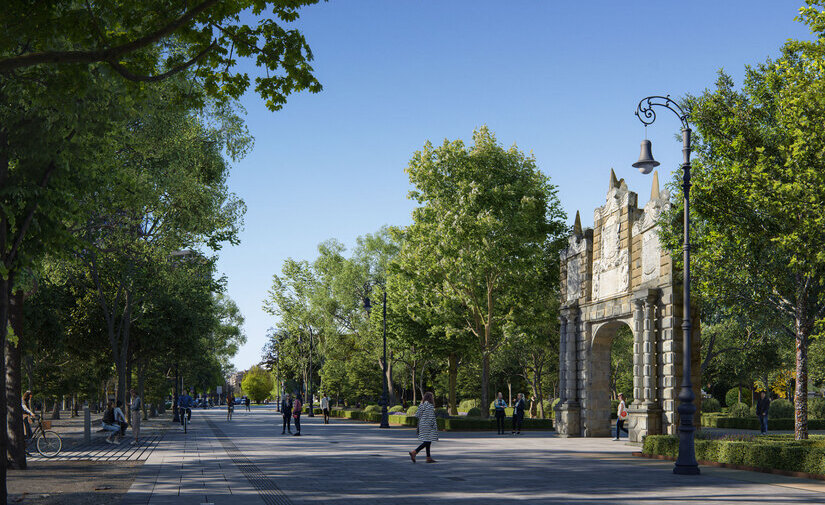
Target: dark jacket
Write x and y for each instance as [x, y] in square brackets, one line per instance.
[518, 408]
[286, 408]
[762, 406]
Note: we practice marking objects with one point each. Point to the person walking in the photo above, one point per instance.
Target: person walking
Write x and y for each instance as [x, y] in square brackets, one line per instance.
[518, 414]
[296, 414]
[135, 407]
[247, 404]
[28, 414]
[230, 406]
[427, 426]
[325, 408]
[499, 406]
[621, 417]
[762, 406]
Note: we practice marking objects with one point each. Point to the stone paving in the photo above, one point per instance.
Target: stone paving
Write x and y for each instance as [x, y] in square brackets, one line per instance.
[248, 461]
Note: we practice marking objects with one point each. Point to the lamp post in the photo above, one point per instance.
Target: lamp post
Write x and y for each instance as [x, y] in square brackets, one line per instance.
[385, 422]
[686, 461]
[309, 389]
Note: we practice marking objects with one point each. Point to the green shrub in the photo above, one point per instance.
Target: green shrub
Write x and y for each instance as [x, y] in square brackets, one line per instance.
[441, 412]
[780, 409]
[474, 412]
[396, 408]
[412, 410]
[466, 405]
[732, 397]
[816, 409]
[780, 452]
[740, 410]
[710, 405]
[372, 408]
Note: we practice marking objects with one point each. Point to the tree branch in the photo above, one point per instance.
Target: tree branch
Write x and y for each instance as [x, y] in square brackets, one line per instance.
[123, 71]
[107, 55]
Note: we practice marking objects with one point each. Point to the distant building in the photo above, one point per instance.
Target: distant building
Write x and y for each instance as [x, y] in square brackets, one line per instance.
[235, 380]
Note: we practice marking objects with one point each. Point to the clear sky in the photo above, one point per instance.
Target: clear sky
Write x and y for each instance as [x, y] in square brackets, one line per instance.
[560, 79]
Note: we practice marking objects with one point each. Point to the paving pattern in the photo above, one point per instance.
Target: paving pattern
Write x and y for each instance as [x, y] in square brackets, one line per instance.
[99, 450]
[248, 461]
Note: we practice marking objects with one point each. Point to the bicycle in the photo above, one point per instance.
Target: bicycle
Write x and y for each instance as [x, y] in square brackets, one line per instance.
[47, 441]
[184, 419]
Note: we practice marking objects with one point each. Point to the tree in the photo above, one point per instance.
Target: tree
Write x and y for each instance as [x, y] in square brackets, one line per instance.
[758, 193]
[485, 216]
[257, 383]
[148, 41]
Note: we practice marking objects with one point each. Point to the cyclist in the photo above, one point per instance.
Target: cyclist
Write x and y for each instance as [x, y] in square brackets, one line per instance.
[28, 415]
[185, 406]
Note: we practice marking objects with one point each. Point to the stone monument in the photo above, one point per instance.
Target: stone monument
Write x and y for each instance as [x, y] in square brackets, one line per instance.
[616, 274]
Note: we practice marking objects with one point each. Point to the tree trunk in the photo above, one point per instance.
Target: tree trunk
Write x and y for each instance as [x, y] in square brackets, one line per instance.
[801, 391]
[485, 378]
[390, 389]
[141, 387]
[56, 409]
[5, 292]
[453, 371]
[16, 448]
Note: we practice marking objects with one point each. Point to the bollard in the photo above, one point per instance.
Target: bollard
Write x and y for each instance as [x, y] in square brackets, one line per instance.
[87, 424]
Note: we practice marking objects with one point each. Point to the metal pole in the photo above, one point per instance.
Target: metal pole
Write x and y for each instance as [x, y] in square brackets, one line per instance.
[175, 416]
[686, 462]
[311, 413]
[385, 422]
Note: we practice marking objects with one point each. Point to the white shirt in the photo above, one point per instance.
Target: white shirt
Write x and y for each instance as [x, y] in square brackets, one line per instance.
[324, 403]
[119, 415]
[620, 409]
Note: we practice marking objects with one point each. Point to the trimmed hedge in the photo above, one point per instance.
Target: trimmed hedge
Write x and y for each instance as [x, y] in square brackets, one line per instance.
[752, 423]
[710, 405]
[445, 424]
[372, 408]
[777, 452]
[741, 410]
[816, 408]
[780, 408]
[396, 408]
[732, 397]
[412, 410]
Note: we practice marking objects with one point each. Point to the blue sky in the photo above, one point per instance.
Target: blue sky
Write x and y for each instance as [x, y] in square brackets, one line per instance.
[559, 79]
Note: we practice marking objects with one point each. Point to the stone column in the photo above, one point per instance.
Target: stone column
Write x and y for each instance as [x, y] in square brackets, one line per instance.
[649, 349]
[638, 330]
[572, 358]
[563, 361]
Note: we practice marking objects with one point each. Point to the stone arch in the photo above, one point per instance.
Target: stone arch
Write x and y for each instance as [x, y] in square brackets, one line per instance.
[600, 408]
[613, 274]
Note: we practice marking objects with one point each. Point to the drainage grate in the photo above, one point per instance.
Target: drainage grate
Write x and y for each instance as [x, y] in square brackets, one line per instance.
[457, 479]
[267, 489]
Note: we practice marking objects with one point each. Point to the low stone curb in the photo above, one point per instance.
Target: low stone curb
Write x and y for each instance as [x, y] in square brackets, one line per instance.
[773, 471]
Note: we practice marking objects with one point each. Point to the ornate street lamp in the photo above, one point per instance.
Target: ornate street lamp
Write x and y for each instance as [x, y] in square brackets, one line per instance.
[686, 462]
[385, 421]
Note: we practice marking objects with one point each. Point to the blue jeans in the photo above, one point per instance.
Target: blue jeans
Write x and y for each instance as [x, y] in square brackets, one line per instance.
[763, 424]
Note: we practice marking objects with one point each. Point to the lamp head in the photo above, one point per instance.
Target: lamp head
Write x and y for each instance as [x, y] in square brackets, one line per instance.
[646, 163]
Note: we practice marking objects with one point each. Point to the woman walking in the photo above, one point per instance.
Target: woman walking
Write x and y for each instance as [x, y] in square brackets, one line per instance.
[621, 417]
[427, 426]
[230, 406]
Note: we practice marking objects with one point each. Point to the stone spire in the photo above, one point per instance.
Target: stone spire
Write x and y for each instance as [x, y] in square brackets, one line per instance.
[577, 226]
[654, 190]
[614, 183]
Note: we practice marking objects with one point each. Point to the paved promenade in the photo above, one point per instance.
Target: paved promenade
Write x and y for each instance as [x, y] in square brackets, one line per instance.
[248, 461]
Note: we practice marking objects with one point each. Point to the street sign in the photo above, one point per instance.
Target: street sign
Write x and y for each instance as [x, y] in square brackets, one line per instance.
[219, 389]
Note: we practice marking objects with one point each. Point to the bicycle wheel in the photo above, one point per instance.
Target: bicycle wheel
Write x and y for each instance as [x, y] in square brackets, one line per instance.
[49, 444]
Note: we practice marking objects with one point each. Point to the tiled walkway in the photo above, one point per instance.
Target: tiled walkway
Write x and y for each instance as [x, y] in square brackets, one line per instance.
[99, 450]
[248, 461]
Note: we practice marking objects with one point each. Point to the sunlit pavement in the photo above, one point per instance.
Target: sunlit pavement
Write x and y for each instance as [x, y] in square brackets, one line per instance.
[248, 461]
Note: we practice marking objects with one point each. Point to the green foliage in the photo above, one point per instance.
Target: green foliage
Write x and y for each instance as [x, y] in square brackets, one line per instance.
[396, 408]
[372, 408]
[732, 397]
[816, 408]
[740, 410]
[474, 412]
[466, 405]
[710, 405]
[774, 452]
[148, 40]
[257, 383]
[780, 408]
[412, 410]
